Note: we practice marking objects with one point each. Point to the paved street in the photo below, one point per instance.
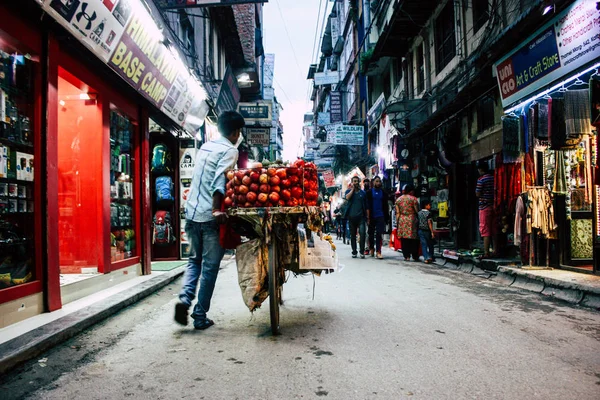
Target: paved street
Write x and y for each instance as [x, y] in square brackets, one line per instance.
[379, 329]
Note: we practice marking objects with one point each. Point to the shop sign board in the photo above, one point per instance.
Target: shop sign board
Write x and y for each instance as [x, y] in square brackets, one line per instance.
[258, 136]
[256, 112]
[187, 156]
[567, 42]
[323, 118]
[331, 129]
[329, 178]
[229, 94]
[169, 4]
[350, 135]
[327, 78]
[335, 106]
[375, 112]
[124, 36]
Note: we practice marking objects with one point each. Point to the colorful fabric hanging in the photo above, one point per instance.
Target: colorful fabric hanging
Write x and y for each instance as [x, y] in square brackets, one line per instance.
[511, 150]
[542, 129]
[577, 113]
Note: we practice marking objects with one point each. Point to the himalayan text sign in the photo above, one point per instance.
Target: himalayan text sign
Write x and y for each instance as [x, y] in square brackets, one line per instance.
[350, 135]
[123, 35]
[329, 178]
[255, 112]
[335, 107]
[327, 78]
[166, 4]
[567, 42]
[258, 136]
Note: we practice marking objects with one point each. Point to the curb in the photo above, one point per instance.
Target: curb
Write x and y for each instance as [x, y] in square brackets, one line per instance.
[37, 341]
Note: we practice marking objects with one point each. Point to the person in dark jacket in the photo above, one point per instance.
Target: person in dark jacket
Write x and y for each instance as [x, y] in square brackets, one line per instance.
[356, 213]
[377, 216]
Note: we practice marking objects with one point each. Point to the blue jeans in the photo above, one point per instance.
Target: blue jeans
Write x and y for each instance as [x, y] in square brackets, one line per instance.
[205, 258]
[426, 244]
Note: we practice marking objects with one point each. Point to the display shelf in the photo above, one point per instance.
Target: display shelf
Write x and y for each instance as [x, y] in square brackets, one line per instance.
[12, 144]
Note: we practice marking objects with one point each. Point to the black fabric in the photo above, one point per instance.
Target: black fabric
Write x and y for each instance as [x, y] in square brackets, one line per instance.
[542, 130]
[559, 140]
[510, 139]
[532, 120]
[410, 247]
[577, 113]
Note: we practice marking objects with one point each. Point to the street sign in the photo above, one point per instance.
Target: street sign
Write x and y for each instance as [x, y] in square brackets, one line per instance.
[335, 107]
[255, 112]
[258, 136]
[350, 135]
[327, 78]
[329, 178]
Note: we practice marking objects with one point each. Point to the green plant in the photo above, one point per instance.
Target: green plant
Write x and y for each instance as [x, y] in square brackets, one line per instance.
[366, 58]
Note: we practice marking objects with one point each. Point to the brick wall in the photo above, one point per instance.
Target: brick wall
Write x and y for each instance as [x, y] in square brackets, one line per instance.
[245, 19]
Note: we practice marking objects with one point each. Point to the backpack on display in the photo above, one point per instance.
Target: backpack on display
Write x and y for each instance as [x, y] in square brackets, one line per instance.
[161, 159]
[164, 189]
[162, 233]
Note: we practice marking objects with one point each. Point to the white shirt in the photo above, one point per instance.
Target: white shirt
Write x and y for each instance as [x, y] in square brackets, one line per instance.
[213, 160]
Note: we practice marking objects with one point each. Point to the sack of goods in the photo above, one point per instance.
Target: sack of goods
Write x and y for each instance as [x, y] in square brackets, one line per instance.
[164, 189]
[161, 159]
[162, 233]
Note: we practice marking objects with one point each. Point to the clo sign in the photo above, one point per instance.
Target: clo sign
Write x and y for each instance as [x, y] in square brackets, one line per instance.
[508, 85]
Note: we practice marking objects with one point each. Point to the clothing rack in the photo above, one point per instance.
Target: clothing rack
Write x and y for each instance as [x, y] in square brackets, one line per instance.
[535, 235]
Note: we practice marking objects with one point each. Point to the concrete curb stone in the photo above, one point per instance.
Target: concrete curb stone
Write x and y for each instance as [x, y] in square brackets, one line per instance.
[35, 342]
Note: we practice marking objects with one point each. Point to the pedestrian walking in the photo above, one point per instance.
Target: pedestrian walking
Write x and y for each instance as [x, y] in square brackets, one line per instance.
[367, 185]
[485, 193]
[377, 216]
[203, 216]
[356, 215]
[426, 231]
[407, 207]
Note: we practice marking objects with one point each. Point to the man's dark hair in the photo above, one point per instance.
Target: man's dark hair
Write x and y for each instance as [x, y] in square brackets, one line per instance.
[376, 177]
[229, 122]
[366, 180]
[409, 188]
[482, 165]
[425, 203]
[354, 178]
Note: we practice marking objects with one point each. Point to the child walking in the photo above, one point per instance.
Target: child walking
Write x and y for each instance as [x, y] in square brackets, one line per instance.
[426, 231]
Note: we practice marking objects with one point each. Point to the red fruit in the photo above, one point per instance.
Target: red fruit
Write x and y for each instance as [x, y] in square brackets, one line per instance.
[293, 171]
[251, 197]
[230, 174]
[240, 173]
[264, 178]
[262, 198]
[297, 192]
[228, 201]
[289, 203]
[254, 176]
[264, 188]
[272, 172]
[237, 181]
[254, 188]
[274, 181]
[229, 193]
[246, 180]
[281, 172]
[294, 180]
[275, 189]
[248, 204]
[286, 194]
[281, 203]
[236, 189]
[299, 163]
[243, 189]
[286, 183]
[274, 197]
[241, 199]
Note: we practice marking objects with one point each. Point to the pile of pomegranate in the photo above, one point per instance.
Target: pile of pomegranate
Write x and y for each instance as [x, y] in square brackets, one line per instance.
[273, 186]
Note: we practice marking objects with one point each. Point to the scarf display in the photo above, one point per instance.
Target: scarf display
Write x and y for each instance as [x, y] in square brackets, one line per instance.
[559, 139]
[577, 113]
[542, 120]
[511, 133]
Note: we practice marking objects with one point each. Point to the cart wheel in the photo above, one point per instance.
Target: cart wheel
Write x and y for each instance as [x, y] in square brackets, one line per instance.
[274, 290]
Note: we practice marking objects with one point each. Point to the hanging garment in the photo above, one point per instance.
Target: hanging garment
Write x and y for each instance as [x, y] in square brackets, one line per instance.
[577, 113]
[560, 177]
[559, 140]
[510, 139]
[532, 120]
[542, 120]
[529, 170]
[526, 133]
[519, 214]
[541, 210]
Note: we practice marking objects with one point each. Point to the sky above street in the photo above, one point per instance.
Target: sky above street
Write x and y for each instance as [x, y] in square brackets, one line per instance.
[289, 33]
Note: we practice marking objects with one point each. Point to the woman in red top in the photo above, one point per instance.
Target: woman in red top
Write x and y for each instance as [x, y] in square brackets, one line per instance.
[407, 208]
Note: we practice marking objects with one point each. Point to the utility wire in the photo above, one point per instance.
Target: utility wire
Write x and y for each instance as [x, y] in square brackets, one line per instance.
[289, 38]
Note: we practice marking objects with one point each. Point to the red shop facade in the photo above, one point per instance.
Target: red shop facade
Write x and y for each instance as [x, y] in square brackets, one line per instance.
[75, 177]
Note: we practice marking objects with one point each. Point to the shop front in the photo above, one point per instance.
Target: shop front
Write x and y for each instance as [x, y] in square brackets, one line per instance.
[546, 85]
[77, 190]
